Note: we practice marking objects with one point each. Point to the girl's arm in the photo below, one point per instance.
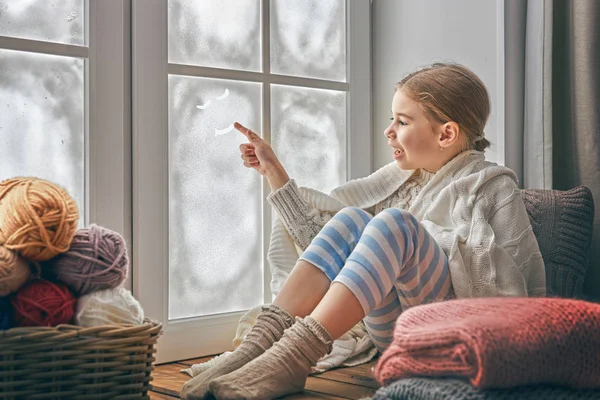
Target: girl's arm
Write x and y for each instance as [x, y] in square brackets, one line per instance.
[300, 219]
[277, 177]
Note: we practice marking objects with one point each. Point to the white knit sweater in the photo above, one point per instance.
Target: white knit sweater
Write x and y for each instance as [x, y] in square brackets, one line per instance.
[472, 207]
[406, 194]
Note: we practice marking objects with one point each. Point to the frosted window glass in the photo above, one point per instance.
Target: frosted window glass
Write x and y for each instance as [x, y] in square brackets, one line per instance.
[309, 135]
[215, 203]
[41, 120]
[308, 38]
[47, 20]
[224, 33]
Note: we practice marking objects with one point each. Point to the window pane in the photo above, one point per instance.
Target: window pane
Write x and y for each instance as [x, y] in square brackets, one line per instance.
[309, 135]
[41, 120]
[48, 20]
[308, 38]
[224, 33]
[215, 207]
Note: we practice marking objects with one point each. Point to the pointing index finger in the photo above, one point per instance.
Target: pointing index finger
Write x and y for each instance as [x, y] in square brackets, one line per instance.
[245, 131]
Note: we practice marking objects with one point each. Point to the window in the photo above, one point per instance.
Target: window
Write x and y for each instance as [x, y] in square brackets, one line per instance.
[160, 163]
[296, 72]
[43, 54]
[64, 102]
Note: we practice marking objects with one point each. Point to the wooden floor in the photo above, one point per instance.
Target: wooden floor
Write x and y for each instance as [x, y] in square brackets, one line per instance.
[341, 383]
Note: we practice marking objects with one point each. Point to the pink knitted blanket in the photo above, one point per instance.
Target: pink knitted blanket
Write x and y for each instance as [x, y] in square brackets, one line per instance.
[497, 342]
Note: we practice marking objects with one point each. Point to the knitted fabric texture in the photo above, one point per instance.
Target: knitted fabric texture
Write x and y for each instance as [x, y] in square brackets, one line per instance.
[497, 342]
[563, 222]
[473, 209]
[270, 325]
[268, 329]
[354, 347]
[407, 193]
[281, 370]
[455, 389]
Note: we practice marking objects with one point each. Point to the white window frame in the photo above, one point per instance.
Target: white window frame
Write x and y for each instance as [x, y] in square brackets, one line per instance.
[213, 334]
[107, 110]
[109, 141]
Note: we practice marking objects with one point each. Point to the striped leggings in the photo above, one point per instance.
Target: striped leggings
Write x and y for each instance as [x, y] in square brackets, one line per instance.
[389, 262]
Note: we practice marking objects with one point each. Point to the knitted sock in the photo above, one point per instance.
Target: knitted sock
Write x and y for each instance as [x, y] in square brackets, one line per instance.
[282, 369]
[268, 329]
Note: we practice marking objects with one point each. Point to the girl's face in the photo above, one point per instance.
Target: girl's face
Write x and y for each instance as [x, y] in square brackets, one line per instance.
[414, 138]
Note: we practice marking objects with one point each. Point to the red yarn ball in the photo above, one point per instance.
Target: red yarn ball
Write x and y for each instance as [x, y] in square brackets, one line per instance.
[43, 303]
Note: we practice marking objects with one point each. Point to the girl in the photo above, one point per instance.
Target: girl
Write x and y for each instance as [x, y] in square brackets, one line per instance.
[440, 222]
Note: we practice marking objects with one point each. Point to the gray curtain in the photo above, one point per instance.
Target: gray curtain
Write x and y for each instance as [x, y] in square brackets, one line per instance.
[528, 94]
[552, 53]
[575, 109]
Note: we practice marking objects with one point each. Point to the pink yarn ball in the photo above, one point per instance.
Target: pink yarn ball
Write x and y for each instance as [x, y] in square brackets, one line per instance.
[96, 260]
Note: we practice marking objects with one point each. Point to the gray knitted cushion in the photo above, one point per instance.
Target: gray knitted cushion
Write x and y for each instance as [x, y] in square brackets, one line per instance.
[455, 389]
[562, 222]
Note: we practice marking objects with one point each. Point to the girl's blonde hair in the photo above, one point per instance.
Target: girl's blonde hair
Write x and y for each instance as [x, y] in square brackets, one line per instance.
[451, 92]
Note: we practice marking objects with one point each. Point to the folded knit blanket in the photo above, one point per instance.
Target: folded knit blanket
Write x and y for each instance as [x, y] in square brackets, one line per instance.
[497, 342]
[455, 389]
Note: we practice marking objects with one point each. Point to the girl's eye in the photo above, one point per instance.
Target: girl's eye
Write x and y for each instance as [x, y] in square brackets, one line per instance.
[400, 121]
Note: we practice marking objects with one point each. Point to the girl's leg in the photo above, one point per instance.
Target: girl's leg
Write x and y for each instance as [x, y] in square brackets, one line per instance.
[294, 296]
[321, 262]
[319, 265]
[396, 264]
[301, 292]
[394, 252]
[381, 321]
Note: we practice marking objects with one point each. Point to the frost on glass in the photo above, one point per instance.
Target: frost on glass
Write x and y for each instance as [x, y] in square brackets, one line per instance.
[215, 207]
[308, 38]
[41, 120]
[224, 33]
[47, 20]
[309, 135]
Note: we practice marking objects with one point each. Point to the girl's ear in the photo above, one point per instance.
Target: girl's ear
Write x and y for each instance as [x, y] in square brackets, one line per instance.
[449, 134]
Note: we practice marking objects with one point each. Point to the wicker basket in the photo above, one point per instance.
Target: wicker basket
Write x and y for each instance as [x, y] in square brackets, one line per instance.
[68, 361]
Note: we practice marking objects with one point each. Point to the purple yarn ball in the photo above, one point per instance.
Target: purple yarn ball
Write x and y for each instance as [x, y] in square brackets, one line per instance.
[5, 314]
[96, 260]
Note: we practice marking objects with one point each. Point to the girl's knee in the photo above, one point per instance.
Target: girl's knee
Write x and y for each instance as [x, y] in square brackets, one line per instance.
[354, 211]
[402, 217]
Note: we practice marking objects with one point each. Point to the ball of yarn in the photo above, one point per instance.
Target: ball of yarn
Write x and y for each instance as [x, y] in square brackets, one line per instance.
[109, 307]
[43, 303]
[37, 218]
[96, 260]
[5, 314]
[14, 271]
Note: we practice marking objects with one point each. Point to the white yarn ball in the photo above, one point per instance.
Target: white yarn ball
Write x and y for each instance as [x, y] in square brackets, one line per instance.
[109, 307]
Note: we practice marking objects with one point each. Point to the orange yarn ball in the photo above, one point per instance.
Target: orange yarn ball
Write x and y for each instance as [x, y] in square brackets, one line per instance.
[43, 303]
[14, 271]
[37, 218]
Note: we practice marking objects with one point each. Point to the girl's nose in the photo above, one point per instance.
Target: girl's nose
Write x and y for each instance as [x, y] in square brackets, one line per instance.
[389, 132]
